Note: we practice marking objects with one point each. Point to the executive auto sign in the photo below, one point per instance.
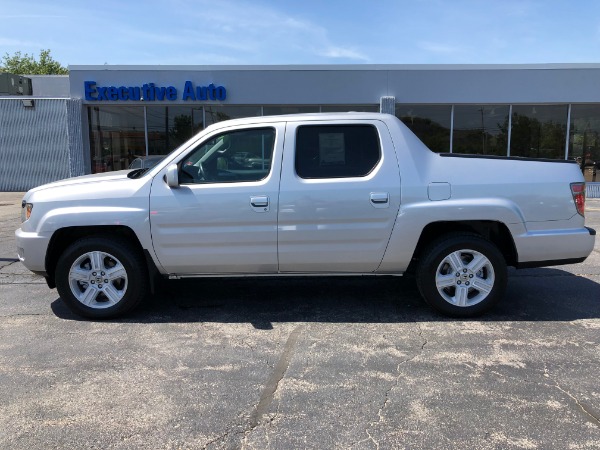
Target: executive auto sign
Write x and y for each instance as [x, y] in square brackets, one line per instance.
[150, 92]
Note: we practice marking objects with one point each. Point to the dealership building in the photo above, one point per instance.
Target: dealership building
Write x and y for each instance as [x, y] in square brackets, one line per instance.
[100, 118]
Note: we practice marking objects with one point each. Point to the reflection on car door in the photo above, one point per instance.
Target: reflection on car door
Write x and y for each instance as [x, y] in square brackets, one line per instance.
[339, 197]
[226, 223]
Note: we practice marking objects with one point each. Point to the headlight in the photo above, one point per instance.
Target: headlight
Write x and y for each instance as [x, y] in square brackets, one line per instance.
[26, 210]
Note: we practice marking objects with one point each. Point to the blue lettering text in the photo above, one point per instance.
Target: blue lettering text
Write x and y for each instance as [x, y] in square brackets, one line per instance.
[150, 92]
[90, 90]
[188, 91]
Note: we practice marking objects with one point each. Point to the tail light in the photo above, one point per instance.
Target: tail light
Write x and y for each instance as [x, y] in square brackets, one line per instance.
[578, 191]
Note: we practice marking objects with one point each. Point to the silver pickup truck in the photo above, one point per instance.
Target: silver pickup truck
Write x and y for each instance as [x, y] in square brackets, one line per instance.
[319, 194]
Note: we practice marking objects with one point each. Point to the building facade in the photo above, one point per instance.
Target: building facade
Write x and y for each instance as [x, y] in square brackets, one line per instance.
[114, 114]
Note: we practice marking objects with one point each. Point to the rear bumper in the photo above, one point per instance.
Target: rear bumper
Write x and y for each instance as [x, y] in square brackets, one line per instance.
[31, 250]
[554, 262]
[554, 247]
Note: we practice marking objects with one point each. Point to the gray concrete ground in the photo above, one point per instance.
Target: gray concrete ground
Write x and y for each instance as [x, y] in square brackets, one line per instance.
[302, 363]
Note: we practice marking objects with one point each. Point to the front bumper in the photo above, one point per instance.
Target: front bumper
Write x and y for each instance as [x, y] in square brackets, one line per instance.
[31, 250]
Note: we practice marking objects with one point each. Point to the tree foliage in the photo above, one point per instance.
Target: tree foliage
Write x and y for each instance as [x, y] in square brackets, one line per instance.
[26, 64]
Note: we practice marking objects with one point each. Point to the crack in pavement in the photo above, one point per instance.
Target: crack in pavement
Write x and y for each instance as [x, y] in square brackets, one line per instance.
[593, 416]
[265, 399]
[274, 416]
[591, 413]
[394, 385]
[224, 436]
[272, 384]
[10, 262]
[23, 315]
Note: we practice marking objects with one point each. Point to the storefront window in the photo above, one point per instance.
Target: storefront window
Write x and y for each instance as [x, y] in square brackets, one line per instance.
[431, 124]
[584, 139]
[481, 129]
[278, 110]
[169, 127]
[347, 108]
[214, 114]
[117, 133]
[116, 136]
[539, 131]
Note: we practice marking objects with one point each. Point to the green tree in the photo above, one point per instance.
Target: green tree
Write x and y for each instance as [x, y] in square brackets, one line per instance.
[181, 130]
[26, 64]
[435, 136]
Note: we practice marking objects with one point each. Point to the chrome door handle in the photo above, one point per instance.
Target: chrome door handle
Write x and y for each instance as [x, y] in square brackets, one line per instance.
[380, 197]
[259, 202]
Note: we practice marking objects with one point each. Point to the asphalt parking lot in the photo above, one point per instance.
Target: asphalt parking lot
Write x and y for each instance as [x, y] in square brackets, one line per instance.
[290, 363]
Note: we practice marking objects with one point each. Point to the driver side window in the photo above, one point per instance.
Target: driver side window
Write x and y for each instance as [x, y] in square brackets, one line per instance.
[234, 156]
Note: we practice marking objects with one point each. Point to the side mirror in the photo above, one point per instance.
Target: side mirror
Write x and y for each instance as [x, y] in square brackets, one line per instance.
[172, 176]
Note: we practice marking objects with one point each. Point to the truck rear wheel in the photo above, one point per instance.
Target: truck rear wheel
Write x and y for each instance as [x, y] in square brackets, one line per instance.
[101, 277]
[462, 275]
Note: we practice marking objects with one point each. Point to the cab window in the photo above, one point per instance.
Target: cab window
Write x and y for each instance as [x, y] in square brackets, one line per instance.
[235, 156]
[336, 151]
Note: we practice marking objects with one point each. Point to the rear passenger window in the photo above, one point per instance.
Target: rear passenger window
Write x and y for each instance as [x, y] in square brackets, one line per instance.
[336, 151]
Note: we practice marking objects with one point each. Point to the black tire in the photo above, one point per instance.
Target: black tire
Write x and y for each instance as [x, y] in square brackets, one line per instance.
[114, 257]
[466, 293]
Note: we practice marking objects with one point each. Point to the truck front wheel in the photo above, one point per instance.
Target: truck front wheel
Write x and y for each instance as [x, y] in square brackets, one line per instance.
[462, 275]
[101, 277]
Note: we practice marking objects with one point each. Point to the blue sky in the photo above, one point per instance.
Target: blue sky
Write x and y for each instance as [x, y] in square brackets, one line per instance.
[304, 32]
